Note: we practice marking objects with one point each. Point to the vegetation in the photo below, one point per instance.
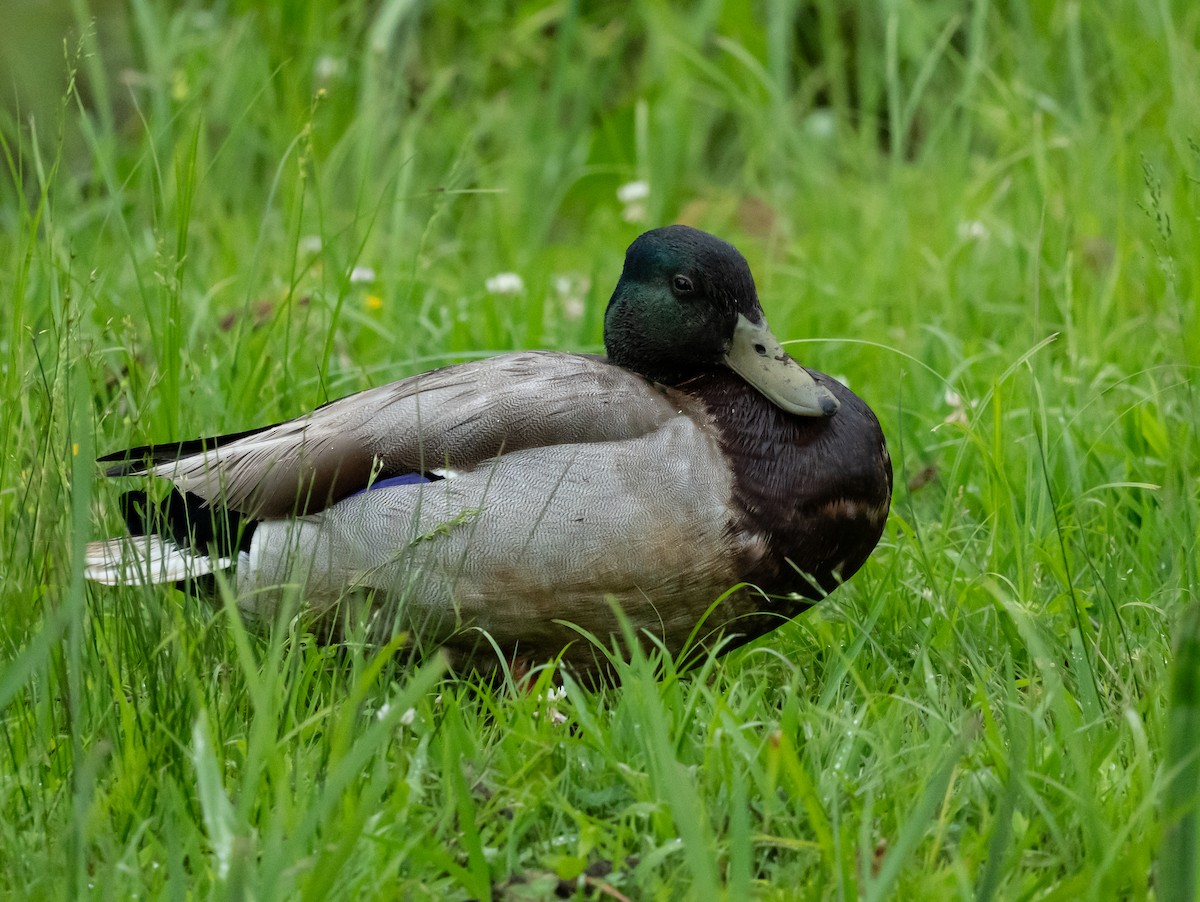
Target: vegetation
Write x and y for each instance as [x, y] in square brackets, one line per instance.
[983, 217]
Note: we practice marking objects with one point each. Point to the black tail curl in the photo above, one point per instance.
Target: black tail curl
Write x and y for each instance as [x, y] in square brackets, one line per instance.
[188, 521]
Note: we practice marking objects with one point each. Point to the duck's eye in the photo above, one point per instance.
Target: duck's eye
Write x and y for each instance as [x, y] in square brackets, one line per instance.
[682, 284]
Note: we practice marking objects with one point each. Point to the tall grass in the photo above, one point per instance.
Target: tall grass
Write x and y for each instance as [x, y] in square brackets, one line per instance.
[983, 218]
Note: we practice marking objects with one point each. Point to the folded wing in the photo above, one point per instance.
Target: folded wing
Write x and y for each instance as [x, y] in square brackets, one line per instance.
[453, 418]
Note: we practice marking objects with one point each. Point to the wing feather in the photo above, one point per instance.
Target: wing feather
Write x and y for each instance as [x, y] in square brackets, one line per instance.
[456, 417]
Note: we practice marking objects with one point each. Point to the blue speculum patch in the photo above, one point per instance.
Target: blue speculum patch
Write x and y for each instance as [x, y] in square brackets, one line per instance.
[392, 481]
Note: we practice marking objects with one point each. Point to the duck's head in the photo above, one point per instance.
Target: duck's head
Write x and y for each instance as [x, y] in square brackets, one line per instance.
[686, 303]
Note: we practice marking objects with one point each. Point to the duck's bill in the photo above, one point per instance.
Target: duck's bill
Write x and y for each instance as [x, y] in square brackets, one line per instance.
[757, 356]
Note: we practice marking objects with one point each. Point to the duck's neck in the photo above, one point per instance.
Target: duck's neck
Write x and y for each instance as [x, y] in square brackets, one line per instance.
[753, 429]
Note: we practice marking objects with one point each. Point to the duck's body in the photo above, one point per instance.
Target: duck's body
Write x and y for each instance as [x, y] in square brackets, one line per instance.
[524, 495]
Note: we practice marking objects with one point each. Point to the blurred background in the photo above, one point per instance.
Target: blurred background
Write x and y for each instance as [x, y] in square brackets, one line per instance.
[869, 156]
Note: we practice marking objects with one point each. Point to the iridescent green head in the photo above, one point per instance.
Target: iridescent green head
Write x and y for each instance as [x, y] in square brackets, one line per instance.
[686, 303]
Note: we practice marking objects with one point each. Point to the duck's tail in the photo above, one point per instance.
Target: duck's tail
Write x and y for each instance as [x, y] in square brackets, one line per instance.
[180, 539]
[144, 560]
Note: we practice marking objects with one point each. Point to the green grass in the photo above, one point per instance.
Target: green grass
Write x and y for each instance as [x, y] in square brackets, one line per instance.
[983, 217]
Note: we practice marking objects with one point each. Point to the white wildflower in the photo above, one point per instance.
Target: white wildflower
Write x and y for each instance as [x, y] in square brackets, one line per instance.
[632, 192]
[310, 245]
[634, 213]
[556, 693]
[958, 410]
[632, 196]
[327, 68]
[505, 283]
[362, 275]
[821, 123]
[572, 289]
[552, 696]
[973, 230]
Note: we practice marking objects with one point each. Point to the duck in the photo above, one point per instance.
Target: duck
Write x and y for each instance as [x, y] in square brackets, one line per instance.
[695, 488]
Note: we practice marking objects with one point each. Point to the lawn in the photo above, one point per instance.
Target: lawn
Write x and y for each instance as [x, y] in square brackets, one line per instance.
[984, 218]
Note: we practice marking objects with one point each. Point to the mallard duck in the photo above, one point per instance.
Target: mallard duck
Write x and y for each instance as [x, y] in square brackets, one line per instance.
[528, 495]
